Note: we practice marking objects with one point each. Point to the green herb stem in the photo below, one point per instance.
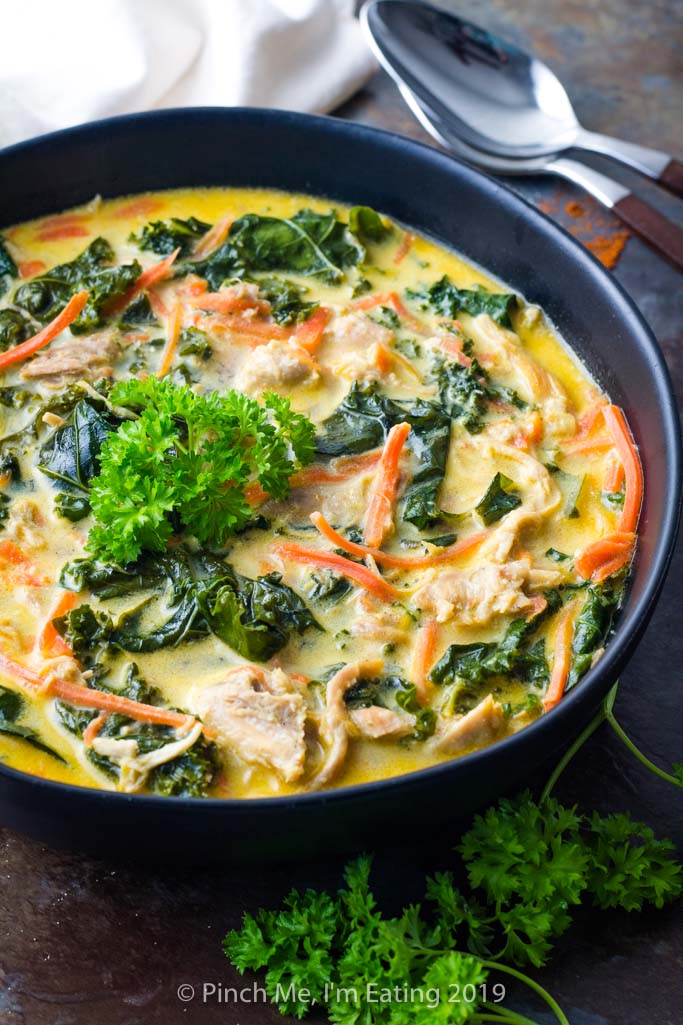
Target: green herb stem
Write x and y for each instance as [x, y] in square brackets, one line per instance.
[608, 716]
[571, 751]
[528, 981]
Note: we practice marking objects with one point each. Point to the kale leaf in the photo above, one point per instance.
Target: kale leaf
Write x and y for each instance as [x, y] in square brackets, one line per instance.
[367, 225]
[43, 297]
[477, 662]
[593, 624]
[12, 706]
[287, 305]
[163, 237]
[15, 327]
[448, 300]
[463, 392]
[502, 496]
[8, 268]
[361, 422]
[139, 313]
[71, 455]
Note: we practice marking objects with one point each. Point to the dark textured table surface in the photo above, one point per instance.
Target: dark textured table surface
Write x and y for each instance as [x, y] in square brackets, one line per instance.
[88, 943]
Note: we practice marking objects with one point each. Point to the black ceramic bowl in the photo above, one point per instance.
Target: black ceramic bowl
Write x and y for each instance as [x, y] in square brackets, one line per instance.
[488, 224]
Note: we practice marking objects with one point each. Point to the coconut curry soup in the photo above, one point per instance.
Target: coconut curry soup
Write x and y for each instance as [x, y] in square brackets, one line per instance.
[291, 499]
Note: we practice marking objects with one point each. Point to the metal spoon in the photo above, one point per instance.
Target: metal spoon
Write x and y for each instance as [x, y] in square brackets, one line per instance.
[444, 124]
[505, 101]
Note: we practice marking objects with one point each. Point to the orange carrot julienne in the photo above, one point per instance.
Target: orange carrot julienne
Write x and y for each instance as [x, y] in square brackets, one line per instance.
[423, 658]
[379, 512]
[146, 280]
[404, 246]
[30, 268]
[360, 575]
[213, 238]
[75, 694]
[578, 445]
[143, 205]
[602, 558]
[59, 232]
[25, 572]
[453, 346]
[614, 476]
[172, 335]
[44, 337]
[344, 468]
[633, 470]
[50, 643]
[309, 333]
[94, 727]
[258, 330]
[562, 657]
[396, 561]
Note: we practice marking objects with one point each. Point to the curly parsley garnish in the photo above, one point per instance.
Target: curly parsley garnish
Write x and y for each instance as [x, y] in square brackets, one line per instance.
[184, 462]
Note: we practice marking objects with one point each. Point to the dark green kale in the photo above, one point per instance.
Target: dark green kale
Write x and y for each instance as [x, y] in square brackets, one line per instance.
[327, 586]
[193, 342]
[448, 300]
[8, 268]
[593, 625]
[195, 595]
[15, 327]
[571, 486]
[163, 237]
[71, 507]
[287, 305]
[43, 297]
[71, 453]
[361, 422]
[513, 656]
[309, 243]
[367, 225]
[139, 313]
[87, 632]
[396, 694]
[463, 392]
[12, 706]
[502, 496]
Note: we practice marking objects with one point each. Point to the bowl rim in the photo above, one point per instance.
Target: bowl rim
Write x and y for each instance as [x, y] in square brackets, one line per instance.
[623, 640]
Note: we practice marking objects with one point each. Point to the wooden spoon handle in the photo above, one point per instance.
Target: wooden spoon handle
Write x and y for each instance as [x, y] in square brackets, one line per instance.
[672, 177]
[661, 233]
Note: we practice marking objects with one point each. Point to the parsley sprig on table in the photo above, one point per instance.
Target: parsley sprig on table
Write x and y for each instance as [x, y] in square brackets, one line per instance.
[183, 463]
[527, 864]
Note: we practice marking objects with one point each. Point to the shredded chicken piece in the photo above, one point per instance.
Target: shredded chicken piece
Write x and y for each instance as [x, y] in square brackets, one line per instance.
[477, 728]
[134, 767]
[366, 367]
[277, 364]
[334, 726]
[507, 357]
[379, 621]
[89, 356]
[259, 716]
[376, 722]
[475, 597]
[24, 525]
[356, 331]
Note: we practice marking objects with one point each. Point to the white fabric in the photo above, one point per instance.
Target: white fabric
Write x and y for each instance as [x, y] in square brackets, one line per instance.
[76, 60]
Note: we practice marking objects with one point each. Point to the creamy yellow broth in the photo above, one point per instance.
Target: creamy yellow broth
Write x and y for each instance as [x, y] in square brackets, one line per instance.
[358, 627]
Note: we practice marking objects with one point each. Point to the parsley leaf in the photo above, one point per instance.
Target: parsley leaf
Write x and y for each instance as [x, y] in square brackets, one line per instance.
[184, 463]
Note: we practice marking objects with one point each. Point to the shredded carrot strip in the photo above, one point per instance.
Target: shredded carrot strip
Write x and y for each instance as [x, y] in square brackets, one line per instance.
[152, 276]
[397, 561]
[75, 694]
[600, 559]
[633, 470]
[158, 304]
[423, 658]
[344, 468]
[390, 299]
[50, 643]
[258, 331]
[577, 445]
[453, 346]
[44, 337]
[404, 247]
[172, 335]
[94, 727]
[562, 657]
[379, 514]
[213, 238]
[532, 434]
[360, 575]
[143, 205]
[614, 475]
[309, 333]
[58, 232]
[31, 267]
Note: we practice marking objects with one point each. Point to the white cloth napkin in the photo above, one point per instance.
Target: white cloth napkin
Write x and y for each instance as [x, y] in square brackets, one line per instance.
[73, 61]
